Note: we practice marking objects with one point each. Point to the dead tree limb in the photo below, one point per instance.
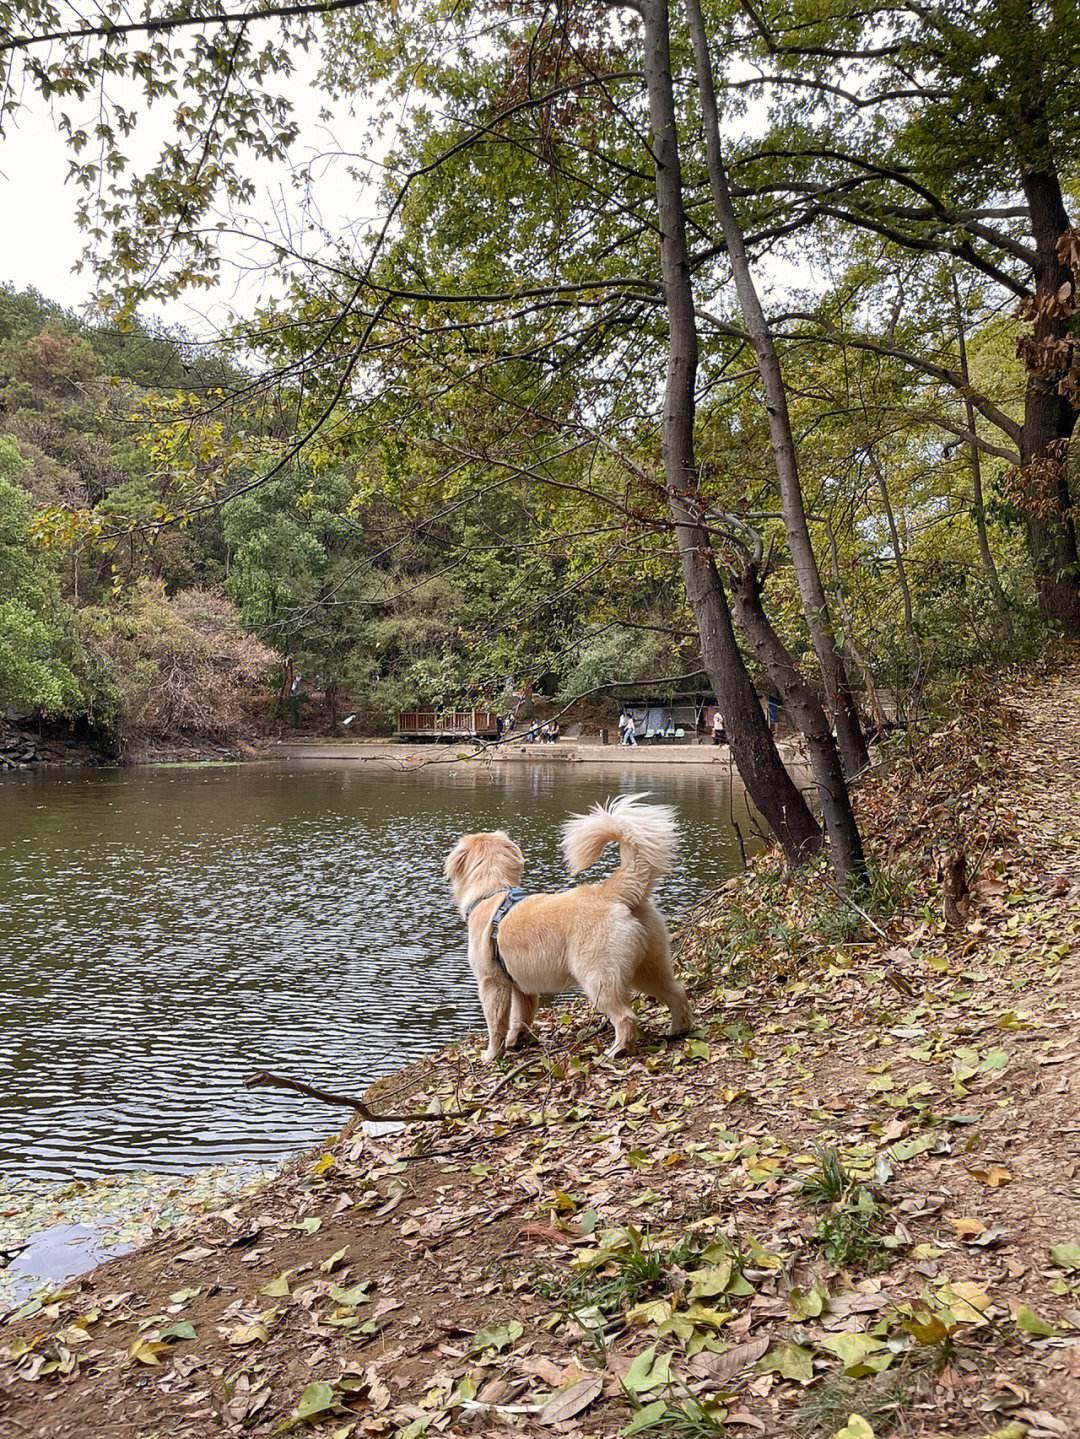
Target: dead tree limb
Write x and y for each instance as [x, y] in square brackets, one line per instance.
[263, 1079]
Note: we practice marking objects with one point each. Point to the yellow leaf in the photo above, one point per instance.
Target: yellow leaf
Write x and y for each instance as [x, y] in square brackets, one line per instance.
[968, 1228]
[993, 1176]
[146, 1351]
[248, 1334]
[855, 1428]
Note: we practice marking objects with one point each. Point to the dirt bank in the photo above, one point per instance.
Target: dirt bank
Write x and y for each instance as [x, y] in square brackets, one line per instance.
[847, 1205]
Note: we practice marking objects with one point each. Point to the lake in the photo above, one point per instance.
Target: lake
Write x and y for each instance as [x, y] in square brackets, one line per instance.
[166, 931]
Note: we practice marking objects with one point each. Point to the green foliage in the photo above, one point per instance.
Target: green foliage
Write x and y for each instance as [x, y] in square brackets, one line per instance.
[35, 648]
[626, 1268]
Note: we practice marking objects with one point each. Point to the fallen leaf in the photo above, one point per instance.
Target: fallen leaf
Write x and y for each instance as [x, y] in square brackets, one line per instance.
[720, 1367]
[565, 1403]
[855, 1428]
[993, 1176]
[967, 1228]
[1067, 1255]
[496, 1336]
[316, 1399]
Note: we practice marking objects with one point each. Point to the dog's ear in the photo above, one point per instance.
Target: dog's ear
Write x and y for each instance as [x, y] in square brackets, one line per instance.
[509, 847]
[456, 861]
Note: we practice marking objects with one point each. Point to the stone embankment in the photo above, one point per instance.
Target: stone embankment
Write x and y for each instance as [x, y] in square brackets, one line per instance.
[23, 748]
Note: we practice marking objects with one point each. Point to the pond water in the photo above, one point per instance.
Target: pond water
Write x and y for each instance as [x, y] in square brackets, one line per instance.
[166, 931]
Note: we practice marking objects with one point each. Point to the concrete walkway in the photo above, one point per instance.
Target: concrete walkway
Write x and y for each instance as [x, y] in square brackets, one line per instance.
[464, 752]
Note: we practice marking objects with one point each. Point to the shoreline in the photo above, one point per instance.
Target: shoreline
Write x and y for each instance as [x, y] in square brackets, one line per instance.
[419, 756]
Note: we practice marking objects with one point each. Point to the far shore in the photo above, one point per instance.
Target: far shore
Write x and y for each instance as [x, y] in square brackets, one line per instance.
[508, 752]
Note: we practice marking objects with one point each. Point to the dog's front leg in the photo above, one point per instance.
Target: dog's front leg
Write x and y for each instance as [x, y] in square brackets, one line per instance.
[495, 999]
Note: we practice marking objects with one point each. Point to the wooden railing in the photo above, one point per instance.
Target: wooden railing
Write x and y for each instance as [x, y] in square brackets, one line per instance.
[451, 723]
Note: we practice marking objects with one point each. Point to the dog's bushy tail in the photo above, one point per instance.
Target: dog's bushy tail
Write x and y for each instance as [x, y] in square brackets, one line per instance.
[647, 837]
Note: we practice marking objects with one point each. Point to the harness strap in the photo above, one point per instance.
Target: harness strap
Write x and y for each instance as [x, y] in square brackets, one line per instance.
[511, 897]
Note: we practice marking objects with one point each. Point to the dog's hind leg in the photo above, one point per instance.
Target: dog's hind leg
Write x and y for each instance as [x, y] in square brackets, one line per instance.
[608, 997]
[523, 1009]
[654, 975]
[495, 999]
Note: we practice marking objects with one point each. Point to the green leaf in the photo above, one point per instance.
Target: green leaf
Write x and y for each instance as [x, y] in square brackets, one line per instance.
[855, 1428]
[1067, 1255]
[792, 1361]
[356, 1294]
[994, 1059]
[648, 1371]
[1032, 1323]
[496, 1336]
[645, 1418]
[316, 1399]
[859, 1353]
[704, 1283]
[807, 1303]
[183, 1330]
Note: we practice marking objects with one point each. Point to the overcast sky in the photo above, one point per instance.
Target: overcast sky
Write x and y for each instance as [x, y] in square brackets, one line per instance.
[40, 243]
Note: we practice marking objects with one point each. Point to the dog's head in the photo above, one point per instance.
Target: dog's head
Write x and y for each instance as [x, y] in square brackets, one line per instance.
[480, 862]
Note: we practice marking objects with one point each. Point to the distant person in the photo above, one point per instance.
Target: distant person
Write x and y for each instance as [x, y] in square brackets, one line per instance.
[627, 729]
[531, 734]
[773, 712]
[719, 733]
[554, 731]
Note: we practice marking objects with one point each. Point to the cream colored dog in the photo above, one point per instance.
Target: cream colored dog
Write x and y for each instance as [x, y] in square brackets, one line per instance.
[608, 938]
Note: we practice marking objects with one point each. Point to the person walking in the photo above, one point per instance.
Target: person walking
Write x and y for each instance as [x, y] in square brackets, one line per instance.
[719, 733]
[627, 729]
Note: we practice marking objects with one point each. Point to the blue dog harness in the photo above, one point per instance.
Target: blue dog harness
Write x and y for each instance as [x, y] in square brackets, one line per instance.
[512, 896]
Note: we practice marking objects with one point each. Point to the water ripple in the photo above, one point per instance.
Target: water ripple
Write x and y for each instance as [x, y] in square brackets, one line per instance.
[165, 932]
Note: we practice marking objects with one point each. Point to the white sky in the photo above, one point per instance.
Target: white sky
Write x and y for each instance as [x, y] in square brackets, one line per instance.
[40, 245]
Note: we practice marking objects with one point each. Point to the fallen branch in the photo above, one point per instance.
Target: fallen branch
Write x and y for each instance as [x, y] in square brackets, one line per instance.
[264, 1079]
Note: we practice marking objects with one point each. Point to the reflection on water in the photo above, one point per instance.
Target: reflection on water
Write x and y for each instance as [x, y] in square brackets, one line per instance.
[165, 932]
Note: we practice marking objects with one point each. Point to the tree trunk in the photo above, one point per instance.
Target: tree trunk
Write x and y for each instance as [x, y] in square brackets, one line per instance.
[768, 783]
[898, 556]
[1049, 420]
[811, 590]
[854, 655]
[800, 701]
[986, 555]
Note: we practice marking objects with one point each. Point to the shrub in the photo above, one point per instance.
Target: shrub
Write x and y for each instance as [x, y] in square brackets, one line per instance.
[165, 666]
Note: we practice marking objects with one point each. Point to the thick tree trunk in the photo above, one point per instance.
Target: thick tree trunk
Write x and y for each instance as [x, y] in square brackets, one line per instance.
[1049, 420]
[768, 783]
[800, 701]
[811, 590]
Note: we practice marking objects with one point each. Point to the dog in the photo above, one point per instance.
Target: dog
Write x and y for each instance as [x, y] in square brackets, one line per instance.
[607, 938]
